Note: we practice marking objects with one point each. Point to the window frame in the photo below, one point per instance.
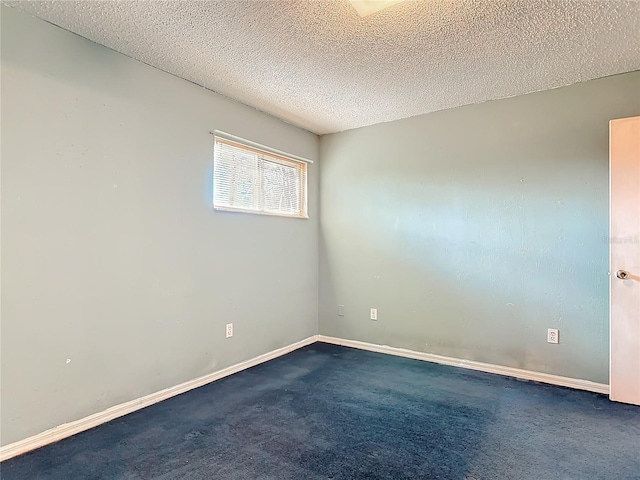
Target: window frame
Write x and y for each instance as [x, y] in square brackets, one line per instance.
[269, 155]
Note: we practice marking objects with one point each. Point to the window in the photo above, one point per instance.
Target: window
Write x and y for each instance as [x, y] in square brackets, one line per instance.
[251, 179]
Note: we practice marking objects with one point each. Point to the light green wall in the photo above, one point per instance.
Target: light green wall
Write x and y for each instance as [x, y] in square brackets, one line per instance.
[112, 255]
[475, 229]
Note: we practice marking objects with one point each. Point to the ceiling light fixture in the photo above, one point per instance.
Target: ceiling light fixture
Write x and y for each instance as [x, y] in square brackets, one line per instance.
[367, 7]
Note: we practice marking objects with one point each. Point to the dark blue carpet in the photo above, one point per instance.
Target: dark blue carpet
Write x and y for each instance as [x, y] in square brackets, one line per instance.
[332, 412]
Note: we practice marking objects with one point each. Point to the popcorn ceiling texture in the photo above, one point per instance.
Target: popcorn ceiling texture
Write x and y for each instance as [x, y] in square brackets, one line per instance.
[318, 65]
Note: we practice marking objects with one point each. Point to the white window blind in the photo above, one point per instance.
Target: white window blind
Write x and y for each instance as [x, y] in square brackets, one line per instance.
[248, 179]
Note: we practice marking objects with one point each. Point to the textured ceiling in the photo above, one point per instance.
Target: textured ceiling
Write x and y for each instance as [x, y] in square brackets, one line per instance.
[319, 65]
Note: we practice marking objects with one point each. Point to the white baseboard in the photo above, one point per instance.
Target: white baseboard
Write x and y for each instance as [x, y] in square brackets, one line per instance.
[68, 429]
[471, 365]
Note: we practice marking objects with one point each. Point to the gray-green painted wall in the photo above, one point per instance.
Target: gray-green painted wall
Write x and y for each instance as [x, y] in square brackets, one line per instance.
[473, 230]
[112, 256]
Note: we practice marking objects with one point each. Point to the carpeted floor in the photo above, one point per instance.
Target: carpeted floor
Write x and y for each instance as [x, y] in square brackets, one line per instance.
[332, 412]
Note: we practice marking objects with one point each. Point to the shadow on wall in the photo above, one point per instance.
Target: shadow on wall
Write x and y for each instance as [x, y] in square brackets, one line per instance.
[476, 261]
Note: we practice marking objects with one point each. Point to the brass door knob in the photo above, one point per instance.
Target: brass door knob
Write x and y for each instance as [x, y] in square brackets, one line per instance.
[622, 274]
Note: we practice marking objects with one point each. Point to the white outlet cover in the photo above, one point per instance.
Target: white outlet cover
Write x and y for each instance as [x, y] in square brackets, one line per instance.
[229, 330]
[553, 335]
[374, 314]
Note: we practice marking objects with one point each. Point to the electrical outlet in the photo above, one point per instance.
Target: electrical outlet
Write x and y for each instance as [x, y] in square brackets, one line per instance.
[374, 314]
[229, 330]
[553, 335]
[341, 310]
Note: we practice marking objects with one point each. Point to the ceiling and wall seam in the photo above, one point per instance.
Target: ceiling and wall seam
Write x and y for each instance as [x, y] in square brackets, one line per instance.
[321, 67]
[174, 75]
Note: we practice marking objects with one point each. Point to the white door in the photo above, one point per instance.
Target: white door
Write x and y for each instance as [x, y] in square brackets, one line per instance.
[624, 157]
